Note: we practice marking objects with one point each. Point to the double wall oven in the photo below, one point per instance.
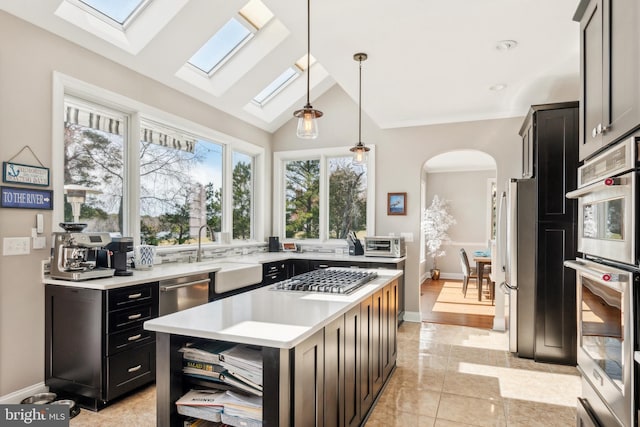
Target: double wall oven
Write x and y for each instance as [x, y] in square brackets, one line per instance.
[607, 277]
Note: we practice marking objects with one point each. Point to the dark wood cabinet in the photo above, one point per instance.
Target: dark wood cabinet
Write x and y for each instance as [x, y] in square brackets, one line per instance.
[352, 367]
[308, 389]
[273, 272]
[547, 232]
[334, 384]
[96, 347]
[367, 351]
[389, 329]
[609, 68]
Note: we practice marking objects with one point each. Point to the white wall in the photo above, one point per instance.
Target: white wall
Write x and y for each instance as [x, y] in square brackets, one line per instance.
[28, 58]
[468, 199]
[400, 155]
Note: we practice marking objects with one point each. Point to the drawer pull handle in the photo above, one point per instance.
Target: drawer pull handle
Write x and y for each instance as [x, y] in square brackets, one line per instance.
[135, 316]
[135, 296]
[135, 337]
[135, 368]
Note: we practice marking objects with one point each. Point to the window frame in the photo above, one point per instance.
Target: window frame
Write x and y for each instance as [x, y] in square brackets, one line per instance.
[136, 111]
[323, 154]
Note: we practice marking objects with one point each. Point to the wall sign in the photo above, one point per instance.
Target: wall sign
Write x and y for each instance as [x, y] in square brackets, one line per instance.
[25, 198]
[15, 173]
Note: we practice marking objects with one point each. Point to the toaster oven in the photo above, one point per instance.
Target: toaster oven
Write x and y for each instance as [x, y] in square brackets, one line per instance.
[384, 246]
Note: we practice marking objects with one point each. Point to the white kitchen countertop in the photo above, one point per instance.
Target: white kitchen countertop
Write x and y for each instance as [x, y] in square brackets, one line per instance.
[265, 317]
[171, 270]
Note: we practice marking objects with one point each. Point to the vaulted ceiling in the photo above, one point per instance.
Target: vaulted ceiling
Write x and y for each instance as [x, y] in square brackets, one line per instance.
[430, 61]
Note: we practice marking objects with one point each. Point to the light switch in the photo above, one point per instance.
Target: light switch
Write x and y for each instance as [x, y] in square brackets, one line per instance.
[39, 242]
[39, 223]
[16, 246]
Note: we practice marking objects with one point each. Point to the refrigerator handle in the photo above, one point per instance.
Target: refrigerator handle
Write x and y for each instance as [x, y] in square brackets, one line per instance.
[502, 230]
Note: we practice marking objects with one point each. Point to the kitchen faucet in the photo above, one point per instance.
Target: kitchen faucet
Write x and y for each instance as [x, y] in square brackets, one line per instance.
[199, 252]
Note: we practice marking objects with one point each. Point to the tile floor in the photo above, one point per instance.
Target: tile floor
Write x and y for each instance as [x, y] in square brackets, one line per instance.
[447, 376]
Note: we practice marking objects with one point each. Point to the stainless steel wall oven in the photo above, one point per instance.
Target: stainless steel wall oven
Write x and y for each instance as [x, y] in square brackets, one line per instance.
[606, 331]
[607, 279]
[607, 204]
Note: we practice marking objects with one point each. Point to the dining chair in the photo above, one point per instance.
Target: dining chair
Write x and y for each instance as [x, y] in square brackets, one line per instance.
[469, 272]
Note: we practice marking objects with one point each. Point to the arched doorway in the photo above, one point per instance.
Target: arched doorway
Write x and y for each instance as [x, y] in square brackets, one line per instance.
[466, 180]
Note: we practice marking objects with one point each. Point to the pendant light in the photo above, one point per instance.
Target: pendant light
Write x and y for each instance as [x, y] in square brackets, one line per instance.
[307, 123]
[359, 150]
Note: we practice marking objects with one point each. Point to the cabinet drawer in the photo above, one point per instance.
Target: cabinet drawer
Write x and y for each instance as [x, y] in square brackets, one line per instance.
[132, 295]
[130, 317]
[128, 339]
[130, 369]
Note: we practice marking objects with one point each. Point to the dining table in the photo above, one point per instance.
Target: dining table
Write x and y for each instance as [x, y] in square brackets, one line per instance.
[481, 261]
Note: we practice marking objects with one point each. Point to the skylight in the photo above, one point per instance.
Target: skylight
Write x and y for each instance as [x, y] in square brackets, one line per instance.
[284, 79]
[223, 43]
[231, 37]
[120, 11]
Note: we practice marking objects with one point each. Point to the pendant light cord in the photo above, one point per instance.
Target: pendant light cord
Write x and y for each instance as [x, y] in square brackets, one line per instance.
[360, 104]
[308, 46]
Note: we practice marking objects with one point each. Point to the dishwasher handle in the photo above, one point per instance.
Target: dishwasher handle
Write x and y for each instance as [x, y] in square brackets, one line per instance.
[169, 288]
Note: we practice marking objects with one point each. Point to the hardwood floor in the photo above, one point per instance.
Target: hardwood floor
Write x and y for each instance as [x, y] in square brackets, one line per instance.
[441, 301]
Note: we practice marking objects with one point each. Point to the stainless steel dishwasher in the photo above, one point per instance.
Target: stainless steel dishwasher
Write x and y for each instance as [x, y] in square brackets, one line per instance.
[185, 292]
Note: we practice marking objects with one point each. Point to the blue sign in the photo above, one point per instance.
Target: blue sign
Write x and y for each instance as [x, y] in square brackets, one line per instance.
[25, 198]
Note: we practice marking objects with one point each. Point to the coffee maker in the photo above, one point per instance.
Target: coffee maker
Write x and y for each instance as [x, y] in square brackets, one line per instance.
[118, 249]
[76, 253]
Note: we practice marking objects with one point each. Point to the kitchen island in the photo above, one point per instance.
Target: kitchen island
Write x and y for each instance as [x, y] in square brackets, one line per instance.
[325, 356]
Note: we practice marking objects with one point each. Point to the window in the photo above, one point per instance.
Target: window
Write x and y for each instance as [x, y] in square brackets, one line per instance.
[242, 185]
[231, 37]
[322, 195]
[120, 12]
[347, 198]
[160, 187]
[94, 140]
[180, 188]
[284, 79]
[303, 199]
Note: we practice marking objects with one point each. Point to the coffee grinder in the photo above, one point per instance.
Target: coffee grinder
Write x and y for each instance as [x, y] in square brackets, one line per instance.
[119, 247]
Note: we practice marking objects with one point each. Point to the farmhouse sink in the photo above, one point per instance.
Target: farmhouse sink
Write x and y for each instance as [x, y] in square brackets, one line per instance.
[235, 275]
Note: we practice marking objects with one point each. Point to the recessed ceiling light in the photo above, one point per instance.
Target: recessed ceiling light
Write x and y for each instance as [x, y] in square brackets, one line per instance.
[498, 87]
[504, 45]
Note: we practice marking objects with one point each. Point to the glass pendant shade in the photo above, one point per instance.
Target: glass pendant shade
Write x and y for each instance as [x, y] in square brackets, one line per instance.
[307, 123]
[359, 154]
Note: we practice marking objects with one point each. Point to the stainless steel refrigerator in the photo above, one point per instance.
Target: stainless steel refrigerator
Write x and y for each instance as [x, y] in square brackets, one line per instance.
[540, 291]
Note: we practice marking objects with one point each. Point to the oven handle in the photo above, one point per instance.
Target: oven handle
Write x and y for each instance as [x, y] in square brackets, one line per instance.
[598, 186]
[606, 279]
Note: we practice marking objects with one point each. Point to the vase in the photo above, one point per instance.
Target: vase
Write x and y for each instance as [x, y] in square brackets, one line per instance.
[435, 274]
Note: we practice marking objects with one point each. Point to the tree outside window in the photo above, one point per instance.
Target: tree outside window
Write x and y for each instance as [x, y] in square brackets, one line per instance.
[345, 200]
[242, 185]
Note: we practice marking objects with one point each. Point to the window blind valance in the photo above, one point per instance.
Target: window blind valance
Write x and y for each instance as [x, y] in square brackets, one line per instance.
[105, 121]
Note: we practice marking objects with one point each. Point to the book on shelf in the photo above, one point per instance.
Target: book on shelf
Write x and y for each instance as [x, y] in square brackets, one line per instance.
[206, 366]
[254, 389]
[204, 404]
[223, 379]
[201, 398]
[242, 406]
[205, 351]
[242, 356]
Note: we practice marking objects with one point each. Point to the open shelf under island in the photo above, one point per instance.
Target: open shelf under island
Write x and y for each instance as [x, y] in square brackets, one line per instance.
[325, 357]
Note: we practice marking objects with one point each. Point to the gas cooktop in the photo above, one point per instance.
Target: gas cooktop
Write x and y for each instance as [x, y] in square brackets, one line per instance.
[328, 280]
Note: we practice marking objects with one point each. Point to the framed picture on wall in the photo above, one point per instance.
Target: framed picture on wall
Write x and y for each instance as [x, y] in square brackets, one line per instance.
[396, 203]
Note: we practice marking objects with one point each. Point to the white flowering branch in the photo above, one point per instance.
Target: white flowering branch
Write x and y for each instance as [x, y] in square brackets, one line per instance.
[436, 220]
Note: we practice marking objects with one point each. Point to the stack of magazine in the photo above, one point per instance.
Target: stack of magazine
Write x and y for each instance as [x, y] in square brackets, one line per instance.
[228, 407]
[231, 365]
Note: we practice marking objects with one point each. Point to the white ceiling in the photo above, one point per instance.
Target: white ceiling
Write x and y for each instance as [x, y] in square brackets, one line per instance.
[430, 61]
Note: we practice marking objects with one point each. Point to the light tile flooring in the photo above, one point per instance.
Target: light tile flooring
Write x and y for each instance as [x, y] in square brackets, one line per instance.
[447, 376]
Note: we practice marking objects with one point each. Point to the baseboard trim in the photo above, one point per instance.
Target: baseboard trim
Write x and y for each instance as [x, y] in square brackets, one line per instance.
[412, 316]
[17, 396]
